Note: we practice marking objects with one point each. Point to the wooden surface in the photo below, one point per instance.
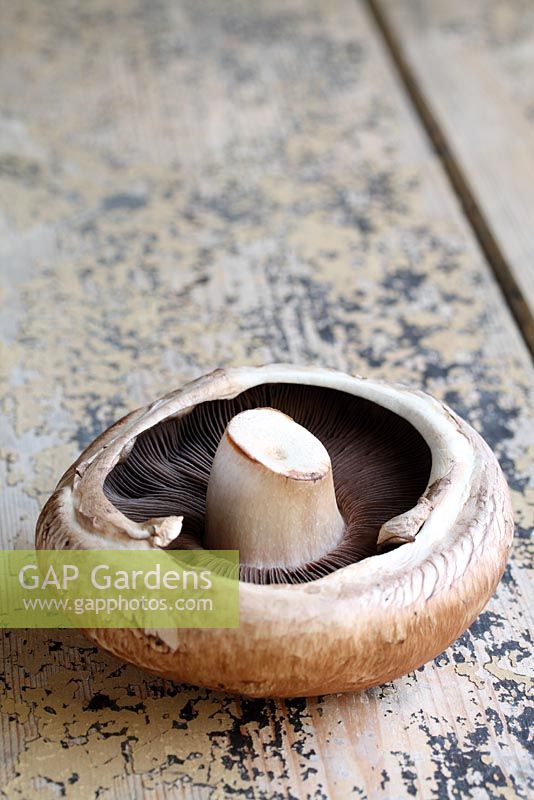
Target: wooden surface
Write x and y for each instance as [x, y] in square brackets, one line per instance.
[474, 65]
[192, 184]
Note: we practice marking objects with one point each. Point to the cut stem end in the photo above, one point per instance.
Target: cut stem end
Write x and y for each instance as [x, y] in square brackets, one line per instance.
[271, 492]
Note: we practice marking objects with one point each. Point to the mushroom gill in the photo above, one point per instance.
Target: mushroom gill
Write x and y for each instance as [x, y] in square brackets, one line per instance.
[380, 466]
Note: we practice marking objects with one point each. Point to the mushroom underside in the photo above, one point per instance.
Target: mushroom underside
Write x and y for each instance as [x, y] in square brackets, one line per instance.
[380, 463]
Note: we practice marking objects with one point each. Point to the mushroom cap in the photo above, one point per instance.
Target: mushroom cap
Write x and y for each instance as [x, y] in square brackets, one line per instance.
[357, 626]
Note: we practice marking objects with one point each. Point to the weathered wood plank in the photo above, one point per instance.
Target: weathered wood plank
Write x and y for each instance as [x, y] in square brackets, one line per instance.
[199, 183]
[474, 65]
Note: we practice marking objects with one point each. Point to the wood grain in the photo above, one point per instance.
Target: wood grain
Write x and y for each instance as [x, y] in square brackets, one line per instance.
[194, 184]
[472, 66]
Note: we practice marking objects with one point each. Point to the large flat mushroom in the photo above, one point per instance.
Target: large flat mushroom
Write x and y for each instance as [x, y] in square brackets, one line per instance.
[373, 524]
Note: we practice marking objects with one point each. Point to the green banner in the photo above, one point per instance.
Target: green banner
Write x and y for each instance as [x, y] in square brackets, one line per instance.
[119, 589]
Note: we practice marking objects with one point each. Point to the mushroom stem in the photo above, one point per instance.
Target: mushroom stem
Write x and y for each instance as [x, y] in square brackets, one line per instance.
[271, 492]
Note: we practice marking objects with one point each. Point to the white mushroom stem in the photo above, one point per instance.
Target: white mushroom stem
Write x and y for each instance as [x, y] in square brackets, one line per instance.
[271, 492]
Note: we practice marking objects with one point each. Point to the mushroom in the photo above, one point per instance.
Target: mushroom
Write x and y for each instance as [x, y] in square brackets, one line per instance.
[373, 524]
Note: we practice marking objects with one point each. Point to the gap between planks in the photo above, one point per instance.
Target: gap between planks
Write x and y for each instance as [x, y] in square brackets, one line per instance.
[497, 261]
